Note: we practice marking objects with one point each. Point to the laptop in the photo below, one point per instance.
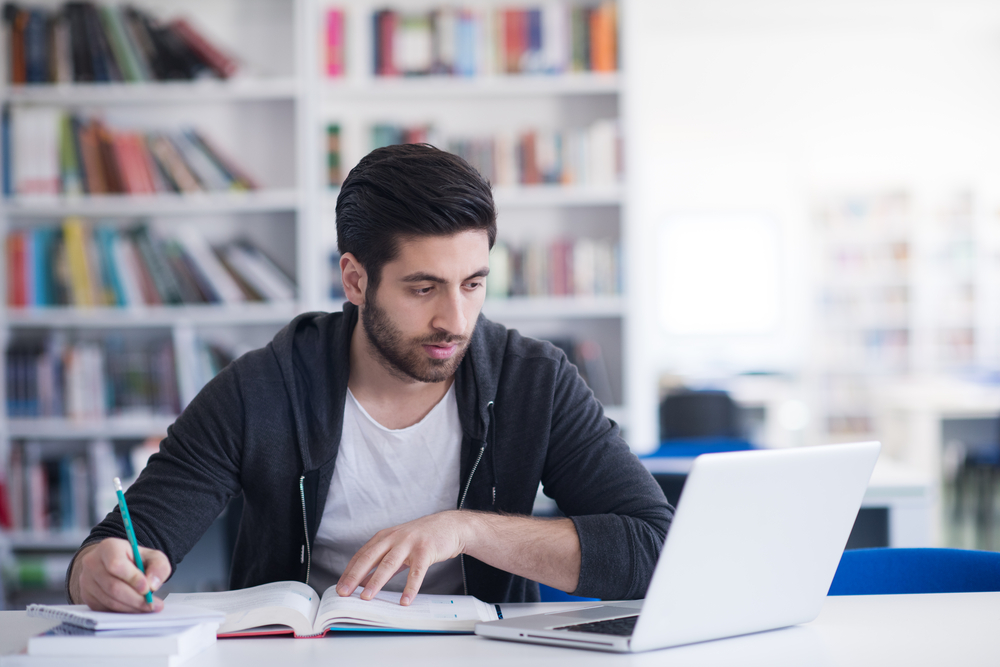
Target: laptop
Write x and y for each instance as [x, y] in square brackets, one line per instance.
[753, 546]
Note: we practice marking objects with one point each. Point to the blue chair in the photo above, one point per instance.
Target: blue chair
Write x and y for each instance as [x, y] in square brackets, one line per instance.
[898, 571]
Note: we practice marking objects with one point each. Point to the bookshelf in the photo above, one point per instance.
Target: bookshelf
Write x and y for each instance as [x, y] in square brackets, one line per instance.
[907, 287]
[495, 108]
[259, 118]
[271, 118]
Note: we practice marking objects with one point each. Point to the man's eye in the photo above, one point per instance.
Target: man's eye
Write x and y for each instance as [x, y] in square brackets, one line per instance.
[473, 285]
[423, 290]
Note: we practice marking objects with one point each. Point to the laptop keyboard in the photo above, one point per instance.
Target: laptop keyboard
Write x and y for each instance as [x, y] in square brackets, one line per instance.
[612, 626]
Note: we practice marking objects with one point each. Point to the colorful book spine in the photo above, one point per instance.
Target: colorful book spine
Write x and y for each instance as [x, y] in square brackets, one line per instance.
[582, 267]
[553, 38]
[90, 378]
[335, 45]
[83, 266]
[83, 42]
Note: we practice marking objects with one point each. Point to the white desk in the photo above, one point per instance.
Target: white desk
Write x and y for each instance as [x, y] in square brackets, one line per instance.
[910, 630]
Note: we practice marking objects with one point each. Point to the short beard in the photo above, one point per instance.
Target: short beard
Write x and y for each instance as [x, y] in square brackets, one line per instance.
[403, 359]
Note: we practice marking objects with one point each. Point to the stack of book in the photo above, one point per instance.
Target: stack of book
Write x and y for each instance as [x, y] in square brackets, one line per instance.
[81, 42]
[553, 38]
[86, 637]
[581, 267]
[90, 379]
[84, 266]
[51, 152]
[584, 156]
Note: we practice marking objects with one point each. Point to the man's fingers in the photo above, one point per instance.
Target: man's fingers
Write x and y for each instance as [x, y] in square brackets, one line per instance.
[157, 567]
[391, 563]
[120, 566]
[360, 567]
[117, 595]
[418, 569]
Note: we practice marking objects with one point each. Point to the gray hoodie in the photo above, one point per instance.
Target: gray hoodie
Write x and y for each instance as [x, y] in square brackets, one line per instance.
[268, 426]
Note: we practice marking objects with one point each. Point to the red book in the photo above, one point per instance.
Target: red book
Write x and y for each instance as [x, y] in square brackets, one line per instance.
[130, 179]
[530, 174]
[515, 39]
[386, 36]
[109, 161]
[557, 269]
[220, 63]
[139, 161]
[90, 154]
[17, 289]
[603, 31]
[335, 43]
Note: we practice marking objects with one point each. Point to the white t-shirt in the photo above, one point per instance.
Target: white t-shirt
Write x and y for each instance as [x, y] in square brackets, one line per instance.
[385, 477]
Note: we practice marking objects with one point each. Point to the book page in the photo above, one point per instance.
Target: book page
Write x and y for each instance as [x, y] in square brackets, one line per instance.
[458, 613]
[290, 603]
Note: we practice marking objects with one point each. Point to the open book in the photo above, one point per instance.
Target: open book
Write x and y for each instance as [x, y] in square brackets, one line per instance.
[291, 606]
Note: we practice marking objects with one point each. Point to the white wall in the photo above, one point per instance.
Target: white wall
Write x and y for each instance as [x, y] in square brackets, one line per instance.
[751, 107]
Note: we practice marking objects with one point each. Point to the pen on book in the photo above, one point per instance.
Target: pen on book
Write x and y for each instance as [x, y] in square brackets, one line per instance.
[131, 533]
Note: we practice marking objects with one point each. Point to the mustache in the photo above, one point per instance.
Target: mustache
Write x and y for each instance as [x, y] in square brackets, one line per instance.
[443, 339]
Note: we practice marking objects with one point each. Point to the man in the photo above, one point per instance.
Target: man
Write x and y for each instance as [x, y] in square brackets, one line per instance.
[399, 443]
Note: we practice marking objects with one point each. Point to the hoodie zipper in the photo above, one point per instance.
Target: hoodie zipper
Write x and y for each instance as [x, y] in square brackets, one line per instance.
[465, 492]
[305, 524]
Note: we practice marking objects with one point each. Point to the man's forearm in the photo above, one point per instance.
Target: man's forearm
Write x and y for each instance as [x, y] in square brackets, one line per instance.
[543, 550]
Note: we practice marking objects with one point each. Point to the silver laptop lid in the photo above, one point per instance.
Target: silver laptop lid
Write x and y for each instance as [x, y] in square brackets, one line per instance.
[755, 542]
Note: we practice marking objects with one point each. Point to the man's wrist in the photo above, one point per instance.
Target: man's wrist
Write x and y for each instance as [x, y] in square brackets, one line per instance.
[471, 526]
[73, 583]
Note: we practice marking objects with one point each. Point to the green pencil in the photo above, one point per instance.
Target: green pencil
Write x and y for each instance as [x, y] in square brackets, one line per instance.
[131, 533]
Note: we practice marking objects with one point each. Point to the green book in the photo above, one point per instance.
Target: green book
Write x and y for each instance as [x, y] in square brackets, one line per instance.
[122, 48]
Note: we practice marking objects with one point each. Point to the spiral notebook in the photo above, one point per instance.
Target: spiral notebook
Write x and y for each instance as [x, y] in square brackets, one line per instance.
[172, 616]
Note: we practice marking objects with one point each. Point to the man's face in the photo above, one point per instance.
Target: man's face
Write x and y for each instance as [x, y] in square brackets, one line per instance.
[421, 316]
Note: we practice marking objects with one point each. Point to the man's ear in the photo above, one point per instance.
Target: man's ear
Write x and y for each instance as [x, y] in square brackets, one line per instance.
[355, 279]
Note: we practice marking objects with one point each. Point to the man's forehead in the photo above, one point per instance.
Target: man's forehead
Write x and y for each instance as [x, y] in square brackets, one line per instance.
[459, 255]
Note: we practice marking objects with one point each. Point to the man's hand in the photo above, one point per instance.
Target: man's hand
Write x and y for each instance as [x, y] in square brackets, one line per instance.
[105, 578]
[416, 544]
[544, 550]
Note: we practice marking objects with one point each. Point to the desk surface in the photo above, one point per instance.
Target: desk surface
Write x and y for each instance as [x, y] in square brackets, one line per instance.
[911, 630]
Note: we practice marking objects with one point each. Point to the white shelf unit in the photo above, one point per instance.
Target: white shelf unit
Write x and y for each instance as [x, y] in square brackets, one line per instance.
[476, 107]
[261, 118]
[272, 118]
[907, 288]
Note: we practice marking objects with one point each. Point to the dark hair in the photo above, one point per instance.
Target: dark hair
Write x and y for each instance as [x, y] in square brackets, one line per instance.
[409, 190]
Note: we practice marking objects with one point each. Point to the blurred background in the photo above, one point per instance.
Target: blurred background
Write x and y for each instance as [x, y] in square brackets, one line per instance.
[749, 224]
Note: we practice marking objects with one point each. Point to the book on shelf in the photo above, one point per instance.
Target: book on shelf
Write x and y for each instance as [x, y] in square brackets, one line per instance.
[90, 379]
[51, 490]
[84, 42]
[588, 357]
[82, 265]
[581, 156]
[58, 487]
[54, 152]
[589, 156]
[291, 607]
[551, 38]
[582, 267]
[31, 571]
[333, 158]
[335, 46]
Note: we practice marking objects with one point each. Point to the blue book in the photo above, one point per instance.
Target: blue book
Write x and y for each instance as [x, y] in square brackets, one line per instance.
[40, 247]
[8, 181]
[110, 274]
[465, 45]
[533, 17]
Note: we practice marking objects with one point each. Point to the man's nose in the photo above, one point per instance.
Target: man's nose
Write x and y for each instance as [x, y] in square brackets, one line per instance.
[450, 316]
